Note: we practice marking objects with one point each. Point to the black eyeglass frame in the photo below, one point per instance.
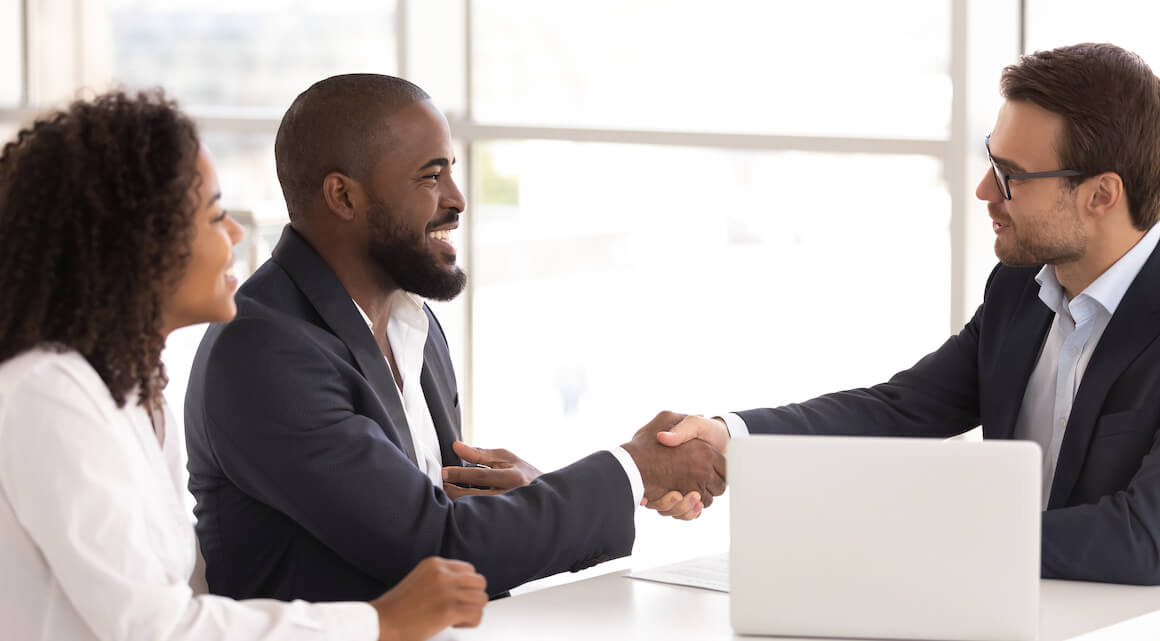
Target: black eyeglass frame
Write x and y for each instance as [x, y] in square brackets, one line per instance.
[1003, 179]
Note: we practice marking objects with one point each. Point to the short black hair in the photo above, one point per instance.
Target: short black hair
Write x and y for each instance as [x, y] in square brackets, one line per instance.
[336, 125]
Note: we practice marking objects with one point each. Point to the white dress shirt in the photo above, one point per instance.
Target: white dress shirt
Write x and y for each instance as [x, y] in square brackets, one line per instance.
[407, 327]
[96, 541]
[1063, 359]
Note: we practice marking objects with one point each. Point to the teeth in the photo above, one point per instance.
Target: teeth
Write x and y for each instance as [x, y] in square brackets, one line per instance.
[443, 235]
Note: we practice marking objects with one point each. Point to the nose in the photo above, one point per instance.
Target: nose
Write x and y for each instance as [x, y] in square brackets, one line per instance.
[987, 190]
[452, 197]
[235, 231]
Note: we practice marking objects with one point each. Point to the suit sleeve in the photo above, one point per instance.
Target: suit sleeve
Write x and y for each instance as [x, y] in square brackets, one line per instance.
[283, 426]
[937, 397]
[1115, 539]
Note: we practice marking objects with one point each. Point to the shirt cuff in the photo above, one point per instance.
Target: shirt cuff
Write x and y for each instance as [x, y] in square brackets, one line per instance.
[350, 621]
[635, 481]
[735, 425]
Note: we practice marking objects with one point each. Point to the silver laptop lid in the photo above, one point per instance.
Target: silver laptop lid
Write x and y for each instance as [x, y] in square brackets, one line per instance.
[885, 538]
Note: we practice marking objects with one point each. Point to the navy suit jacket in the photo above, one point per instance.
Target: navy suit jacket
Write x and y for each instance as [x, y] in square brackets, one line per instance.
[1103, 518]
[302, 465]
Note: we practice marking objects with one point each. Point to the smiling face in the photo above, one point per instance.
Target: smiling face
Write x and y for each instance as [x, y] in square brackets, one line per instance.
[1041, 224]
[205, 291]
[414, 205]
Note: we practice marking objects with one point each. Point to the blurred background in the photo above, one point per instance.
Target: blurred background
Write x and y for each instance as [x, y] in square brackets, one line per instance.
[672, 204]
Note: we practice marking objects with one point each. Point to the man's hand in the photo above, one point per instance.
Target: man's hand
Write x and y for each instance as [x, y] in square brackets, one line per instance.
[711, 430]
[504, 471]
[693, 466]
[683, 507]
[436, 594]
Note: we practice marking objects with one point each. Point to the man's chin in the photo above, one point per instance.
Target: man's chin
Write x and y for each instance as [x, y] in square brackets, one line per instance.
[1016, 261]
[1010, 257]
[443, 286]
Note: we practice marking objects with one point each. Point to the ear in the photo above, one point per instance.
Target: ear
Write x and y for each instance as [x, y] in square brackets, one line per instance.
[341, 193]
[1107, 194]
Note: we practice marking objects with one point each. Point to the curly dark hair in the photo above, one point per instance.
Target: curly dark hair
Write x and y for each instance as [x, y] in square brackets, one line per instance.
[96, 207]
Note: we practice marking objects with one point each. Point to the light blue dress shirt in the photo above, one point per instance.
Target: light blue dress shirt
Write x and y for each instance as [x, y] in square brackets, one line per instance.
[1076, 330]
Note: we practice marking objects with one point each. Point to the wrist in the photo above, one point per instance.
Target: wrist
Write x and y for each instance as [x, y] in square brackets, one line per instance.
[631, 448]
[716, 433]
[388, 630]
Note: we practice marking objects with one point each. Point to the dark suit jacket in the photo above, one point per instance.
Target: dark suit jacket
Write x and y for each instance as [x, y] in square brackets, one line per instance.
[301, 460]
[1103, 518]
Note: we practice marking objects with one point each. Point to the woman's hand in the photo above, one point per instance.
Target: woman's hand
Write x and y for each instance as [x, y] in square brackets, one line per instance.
[436, 594]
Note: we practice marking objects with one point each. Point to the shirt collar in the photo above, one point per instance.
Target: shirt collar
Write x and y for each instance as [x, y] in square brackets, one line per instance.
[405, 307]
[1108, 290]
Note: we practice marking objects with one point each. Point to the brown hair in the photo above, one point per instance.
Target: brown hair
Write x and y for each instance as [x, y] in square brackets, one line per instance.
[1110, 103]
[95, 227]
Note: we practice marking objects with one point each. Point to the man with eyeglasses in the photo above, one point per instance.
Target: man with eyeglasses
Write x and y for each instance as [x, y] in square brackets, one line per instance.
[1065, 349]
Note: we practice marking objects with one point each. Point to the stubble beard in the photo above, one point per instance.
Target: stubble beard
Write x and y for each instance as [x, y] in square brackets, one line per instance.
[1040, 243]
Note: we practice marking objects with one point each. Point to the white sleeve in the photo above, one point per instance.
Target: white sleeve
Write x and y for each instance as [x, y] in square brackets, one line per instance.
[73, 474]
[735, 425]
[635, 481]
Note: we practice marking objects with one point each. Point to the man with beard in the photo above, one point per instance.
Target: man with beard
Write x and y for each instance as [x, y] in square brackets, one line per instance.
[322, 421]
[1064, 349]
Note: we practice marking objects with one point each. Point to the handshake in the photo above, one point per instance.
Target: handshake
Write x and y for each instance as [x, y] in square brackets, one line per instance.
[682, 462]
[680, 458]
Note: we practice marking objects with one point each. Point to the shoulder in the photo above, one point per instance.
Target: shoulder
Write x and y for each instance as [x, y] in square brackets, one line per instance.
[271, 298]
[268, 355]
[43, 388]
[1008, 282]
[251, 338]
[272, 311]
[52, 370]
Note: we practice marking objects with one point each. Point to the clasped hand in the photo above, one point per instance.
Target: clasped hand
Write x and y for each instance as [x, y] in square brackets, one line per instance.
[681, 473]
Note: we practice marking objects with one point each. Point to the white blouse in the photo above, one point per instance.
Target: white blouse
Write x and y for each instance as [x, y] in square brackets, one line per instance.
[96, 541]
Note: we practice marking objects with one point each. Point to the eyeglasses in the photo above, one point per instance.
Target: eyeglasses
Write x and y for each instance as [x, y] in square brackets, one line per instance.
[1002, 178]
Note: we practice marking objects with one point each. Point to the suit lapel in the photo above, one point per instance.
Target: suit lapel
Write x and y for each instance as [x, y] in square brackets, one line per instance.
[438, 382]
[1135, 324]
[439, 405]
[326, 293]
[1020, 349]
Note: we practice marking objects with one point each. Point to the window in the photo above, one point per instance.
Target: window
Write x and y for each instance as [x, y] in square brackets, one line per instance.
[11, 53]
[782, 67]
[612, 281]
[245, 53]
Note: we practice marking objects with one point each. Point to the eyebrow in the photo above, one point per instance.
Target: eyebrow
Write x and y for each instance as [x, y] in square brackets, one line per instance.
[1009, 164]
[437, 162]
[214, 198]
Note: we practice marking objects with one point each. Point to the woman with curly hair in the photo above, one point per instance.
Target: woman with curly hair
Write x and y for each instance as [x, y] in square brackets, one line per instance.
[112, 236]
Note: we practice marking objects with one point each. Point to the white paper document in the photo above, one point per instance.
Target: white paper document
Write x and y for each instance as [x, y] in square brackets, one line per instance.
[708, 573]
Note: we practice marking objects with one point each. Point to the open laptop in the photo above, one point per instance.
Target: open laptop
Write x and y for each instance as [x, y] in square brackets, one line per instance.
[887, 538]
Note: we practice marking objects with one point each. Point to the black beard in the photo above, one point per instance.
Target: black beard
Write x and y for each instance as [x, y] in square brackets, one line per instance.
[402, 256]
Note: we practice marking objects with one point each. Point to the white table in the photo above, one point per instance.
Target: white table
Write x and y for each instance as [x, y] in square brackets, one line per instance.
[613, 607]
